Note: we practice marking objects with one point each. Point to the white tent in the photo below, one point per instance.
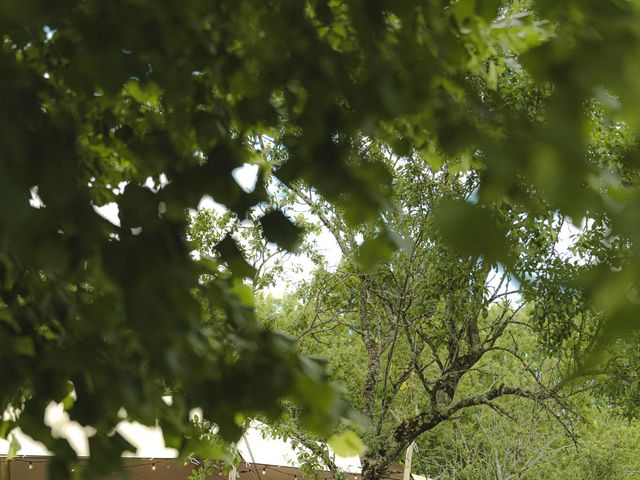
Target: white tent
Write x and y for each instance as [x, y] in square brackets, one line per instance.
[259, 448]
[257, 445]
[148, 441]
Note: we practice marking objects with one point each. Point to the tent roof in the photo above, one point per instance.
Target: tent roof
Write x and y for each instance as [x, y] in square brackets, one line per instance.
[148, 441]
[258, 445]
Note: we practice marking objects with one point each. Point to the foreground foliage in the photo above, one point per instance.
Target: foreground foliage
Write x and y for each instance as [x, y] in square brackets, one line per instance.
[151, 108]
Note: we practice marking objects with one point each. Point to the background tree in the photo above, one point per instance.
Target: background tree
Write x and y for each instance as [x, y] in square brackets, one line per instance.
[531, 444]
[421, 334]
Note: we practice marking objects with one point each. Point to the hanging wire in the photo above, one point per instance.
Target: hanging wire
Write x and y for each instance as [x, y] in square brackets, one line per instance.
[415, 449]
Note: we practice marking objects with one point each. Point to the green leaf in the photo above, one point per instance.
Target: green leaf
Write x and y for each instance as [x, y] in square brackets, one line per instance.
[244, 292]
[5, 428]
[14, 448]
[378, 249]
[24, 345]
[346, 444]
[234, 257]
[280, 230]
[148, 93]
[471, 229]
[488, 9]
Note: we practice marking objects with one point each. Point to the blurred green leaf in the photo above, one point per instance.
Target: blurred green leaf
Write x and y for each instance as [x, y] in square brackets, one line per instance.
[279, 229]
[14, 448]
[375, 250]
[471, 229]
[346, 444]
[234, 257]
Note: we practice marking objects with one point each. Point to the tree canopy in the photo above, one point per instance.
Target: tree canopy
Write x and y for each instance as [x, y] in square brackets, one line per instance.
[426, 334]
[151, 107]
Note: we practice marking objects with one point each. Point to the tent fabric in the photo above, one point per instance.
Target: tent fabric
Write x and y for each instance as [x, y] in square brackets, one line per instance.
[257, 445]
[147, 440]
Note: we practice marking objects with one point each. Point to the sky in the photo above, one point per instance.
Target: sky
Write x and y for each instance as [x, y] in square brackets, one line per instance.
[299, 267]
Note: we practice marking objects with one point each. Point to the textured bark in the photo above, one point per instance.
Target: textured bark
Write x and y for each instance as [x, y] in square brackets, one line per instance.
[374, 468]
[441, 332]
[371, 381]
[375, 463]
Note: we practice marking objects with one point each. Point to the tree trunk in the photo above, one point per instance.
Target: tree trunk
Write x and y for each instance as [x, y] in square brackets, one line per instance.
[373, 468]
[371, 381]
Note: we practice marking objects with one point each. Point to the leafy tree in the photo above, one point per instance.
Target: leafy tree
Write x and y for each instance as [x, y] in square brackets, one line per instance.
[421, 334]
[486, 444]
[100, 99]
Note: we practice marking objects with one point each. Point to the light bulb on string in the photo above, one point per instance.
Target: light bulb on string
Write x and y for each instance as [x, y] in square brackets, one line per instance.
[264, 471]
[153, 466]
[30, 465]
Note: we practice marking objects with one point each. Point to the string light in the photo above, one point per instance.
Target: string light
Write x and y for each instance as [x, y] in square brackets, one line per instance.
[153, 463]
[154, 467]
